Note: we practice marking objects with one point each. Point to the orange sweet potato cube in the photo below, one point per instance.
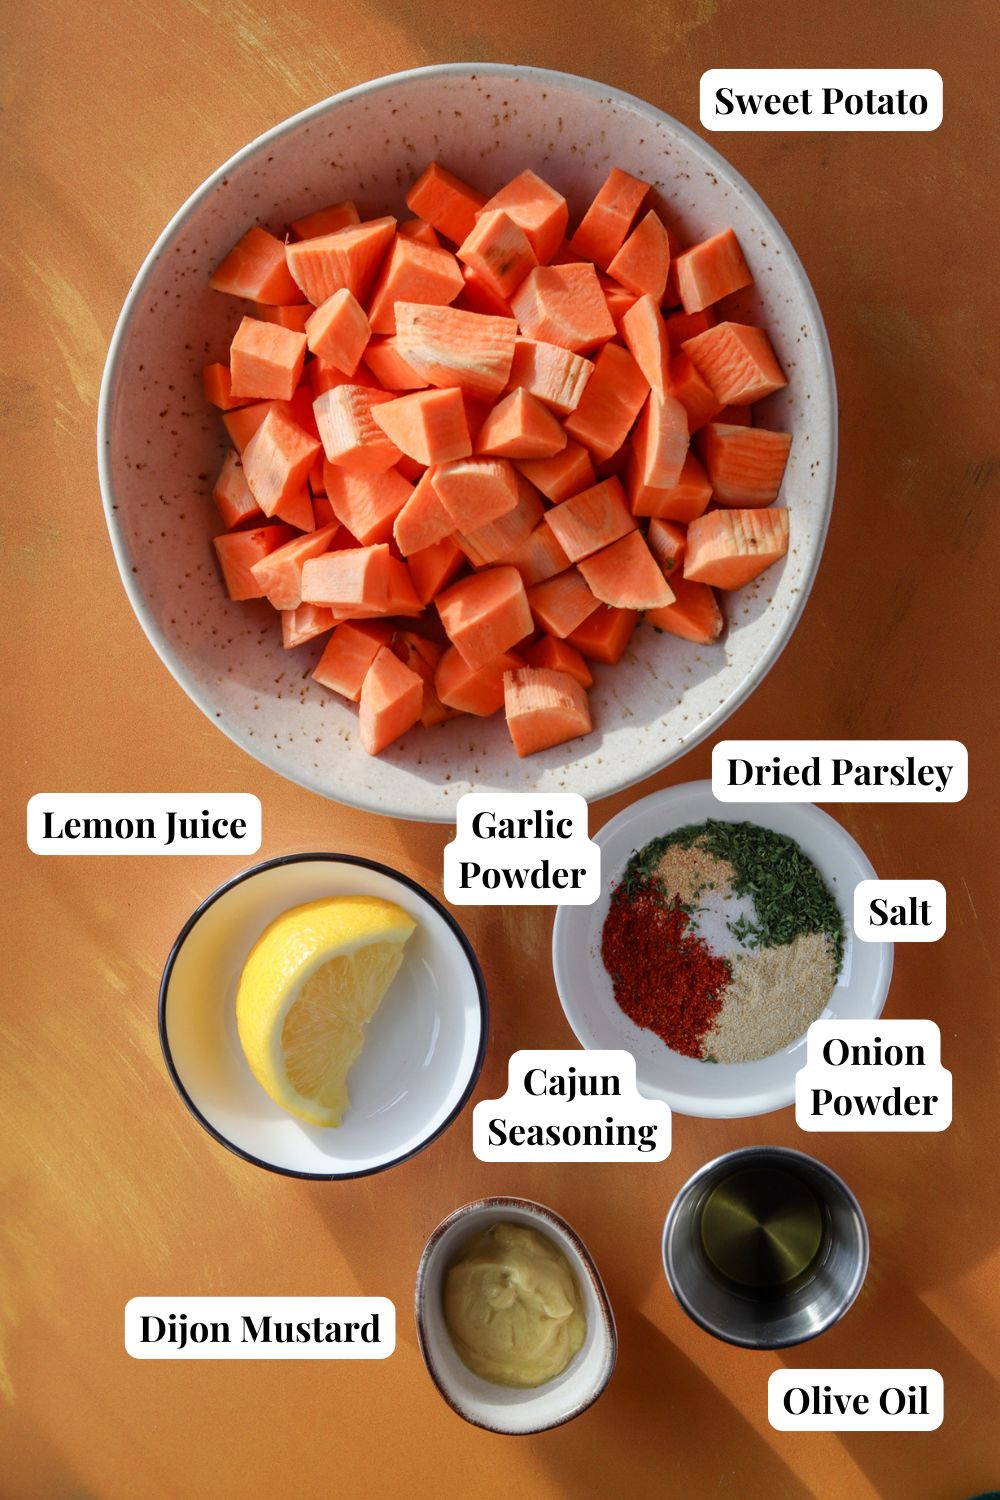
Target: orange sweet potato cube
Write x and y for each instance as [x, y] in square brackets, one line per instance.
[539, 210]
[423, 520]
[471, 690]
[278, 458]
[559, 605]
[417, 229]
[567, 473]
[450, 347]
[642, 263]
[485, 614]
[645, 336]
[304, 624]
[348, 257]
[325, 220]
[591, 520]
[544, 708]
[553, 375]
[610, 404]
[476, 490]
[232, 495]
[445, 202]
[265, 361]
[413, 272]
[498, 251]
[349, 653]
[280, 573]
[563, 305]
[238, 551]
[367, 504]
[711, 270]
[350, 435]
[606, 223]
[519, 426]
[256, 268]
[338, 331]
[392, 697]
[428, 426]
[737, 361]
[216, 382]
[352, 581]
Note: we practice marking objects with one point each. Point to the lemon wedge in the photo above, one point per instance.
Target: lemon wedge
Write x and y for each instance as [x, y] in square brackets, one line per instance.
[311, 984]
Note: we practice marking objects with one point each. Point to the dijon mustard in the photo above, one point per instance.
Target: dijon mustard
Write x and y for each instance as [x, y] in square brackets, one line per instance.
[513, 1307]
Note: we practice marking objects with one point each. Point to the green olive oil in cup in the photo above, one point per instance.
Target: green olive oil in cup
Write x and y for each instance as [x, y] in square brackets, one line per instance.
[763, 1230]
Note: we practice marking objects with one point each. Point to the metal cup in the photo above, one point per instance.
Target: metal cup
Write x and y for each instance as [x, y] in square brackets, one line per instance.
[788, 1315]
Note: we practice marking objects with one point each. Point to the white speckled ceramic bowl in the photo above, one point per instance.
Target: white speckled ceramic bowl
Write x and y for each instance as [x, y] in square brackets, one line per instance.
[159, 446]
[496, 1407]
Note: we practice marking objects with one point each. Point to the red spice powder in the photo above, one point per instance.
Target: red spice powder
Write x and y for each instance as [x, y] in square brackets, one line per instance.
[665, 978]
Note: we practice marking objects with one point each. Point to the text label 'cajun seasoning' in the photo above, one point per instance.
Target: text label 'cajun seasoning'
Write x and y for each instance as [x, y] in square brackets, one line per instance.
[571, 1106]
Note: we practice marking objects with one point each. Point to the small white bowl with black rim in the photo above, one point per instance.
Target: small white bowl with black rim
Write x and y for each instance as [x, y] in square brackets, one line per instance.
[424, 1049]
[498, 1408]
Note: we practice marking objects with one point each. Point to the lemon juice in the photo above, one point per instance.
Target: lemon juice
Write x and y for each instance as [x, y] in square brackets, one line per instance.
[309, 988]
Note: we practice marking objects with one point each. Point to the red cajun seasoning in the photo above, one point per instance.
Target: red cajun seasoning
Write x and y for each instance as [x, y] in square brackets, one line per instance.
[666, 979]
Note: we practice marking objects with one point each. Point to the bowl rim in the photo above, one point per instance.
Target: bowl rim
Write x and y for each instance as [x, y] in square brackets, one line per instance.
[327, 858]
[124, 558]
[534, 1210]
[739, 812]
[791, 1155]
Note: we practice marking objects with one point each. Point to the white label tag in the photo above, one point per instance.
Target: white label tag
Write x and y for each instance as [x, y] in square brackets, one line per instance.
[521, 849]
[873, 1075]
[821, 99]
[840, 771]
[890, 1400]
[571, 1106]
[109, 823]
[260, 1327]
[900, 911]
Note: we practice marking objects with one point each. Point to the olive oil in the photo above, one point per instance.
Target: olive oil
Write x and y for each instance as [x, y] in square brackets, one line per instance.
[763, 1231]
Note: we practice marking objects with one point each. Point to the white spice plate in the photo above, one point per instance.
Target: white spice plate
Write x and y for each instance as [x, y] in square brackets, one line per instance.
[721, 1090]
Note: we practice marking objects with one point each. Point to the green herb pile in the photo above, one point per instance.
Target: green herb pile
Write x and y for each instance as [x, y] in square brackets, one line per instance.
[789, 894]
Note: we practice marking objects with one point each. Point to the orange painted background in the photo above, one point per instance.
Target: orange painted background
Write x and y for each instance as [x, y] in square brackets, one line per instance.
[113, 114]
